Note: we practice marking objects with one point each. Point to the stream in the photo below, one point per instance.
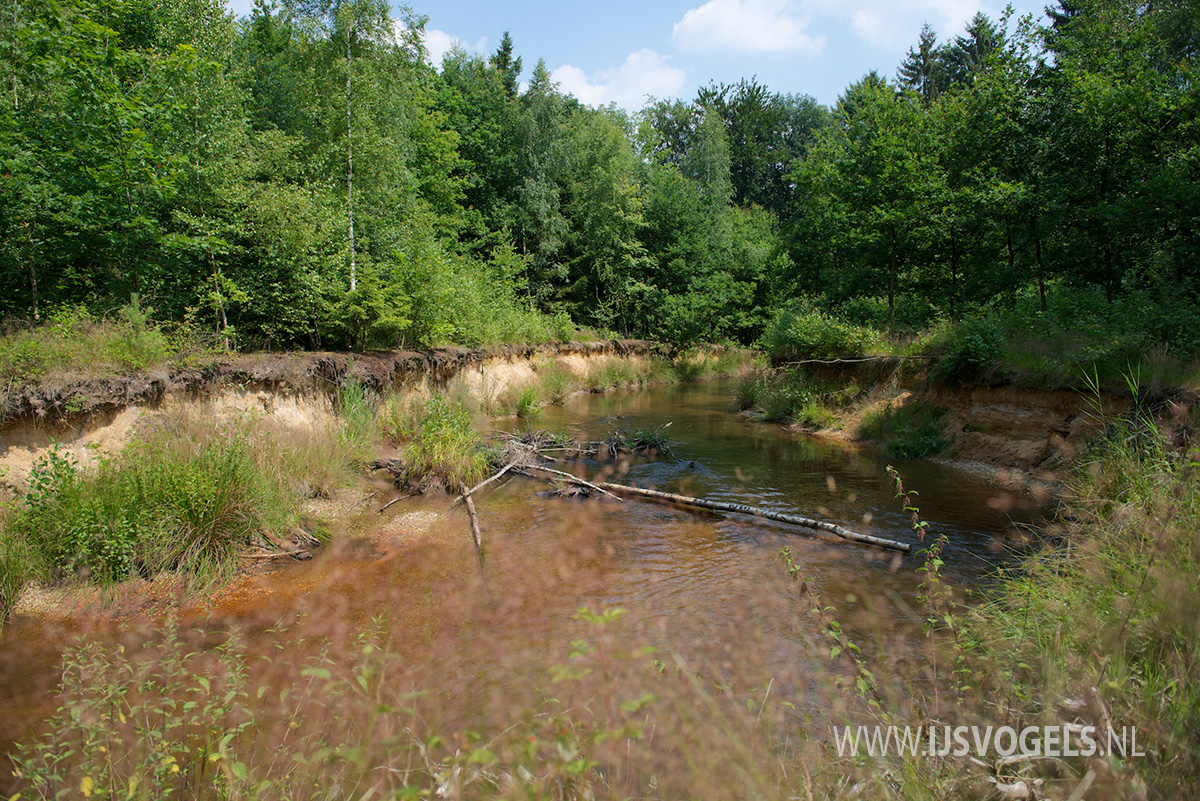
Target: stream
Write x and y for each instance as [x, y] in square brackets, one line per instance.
[707, 591]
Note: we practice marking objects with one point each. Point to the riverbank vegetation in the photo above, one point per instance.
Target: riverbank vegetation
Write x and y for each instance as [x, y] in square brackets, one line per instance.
[1019, 205]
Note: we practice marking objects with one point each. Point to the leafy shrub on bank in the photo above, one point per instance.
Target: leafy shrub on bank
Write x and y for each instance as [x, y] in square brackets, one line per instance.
[811, 334]
[971, 350]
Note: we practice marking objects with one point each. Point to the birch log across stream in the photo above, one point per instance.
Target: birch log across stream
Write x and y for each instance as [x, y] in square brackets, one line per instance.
[737, 508]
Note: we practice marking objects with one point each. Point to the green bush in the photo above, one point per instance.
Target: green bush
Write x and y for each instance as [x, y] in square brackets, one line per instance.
[974, 349]
[795, 335]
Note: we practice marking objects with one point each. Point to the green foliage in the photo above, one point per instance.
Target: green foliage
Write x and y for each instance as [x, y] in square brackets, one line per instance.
[792, 396]
[74, 341]
[305, 178]
[807, 334]
[913, 431]
[972, 349]
[1123, 619]
[439, 444]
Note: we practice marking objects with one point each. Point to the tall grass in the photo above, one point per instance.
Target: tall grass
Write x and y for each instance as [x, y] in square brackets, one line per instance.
[557, 381]
[168, 502]
[439, 444]
[793, 396]
[1112, 603]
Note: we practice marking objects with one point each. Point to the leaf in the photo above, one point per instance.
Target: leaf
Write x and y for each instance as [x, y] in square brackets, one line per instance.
[482, 756]
[317, 673]
[239, 770]
[834, 652]
[85, 786]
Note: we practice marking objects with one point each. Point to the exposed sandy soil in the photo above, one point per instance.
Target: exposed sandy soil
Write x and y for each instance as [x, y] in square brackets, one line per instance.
[1020, 438]
[88, 418]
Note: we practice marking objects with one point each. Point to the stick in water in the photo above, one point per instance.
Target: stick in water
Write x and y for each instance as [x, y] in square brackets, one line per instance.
[576, 480]
[476, 533]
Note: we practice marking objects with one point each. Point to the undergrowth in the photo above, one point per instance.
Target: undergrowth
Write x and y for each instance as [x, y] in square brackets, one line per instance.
[171, 501]
[1108, 612]
[793, 396]
[439, 444]
[72, 340]
[912, 431]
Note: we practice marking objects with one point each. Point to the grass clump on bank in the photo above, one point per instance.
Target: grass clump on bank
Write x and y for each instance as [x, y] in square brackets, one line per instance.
[187, 496]
[172, 501]
[439, 445]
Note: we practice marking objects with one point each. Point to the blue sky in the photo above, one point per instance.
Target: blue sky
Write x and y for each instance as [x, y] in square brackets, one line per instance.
[623, 50]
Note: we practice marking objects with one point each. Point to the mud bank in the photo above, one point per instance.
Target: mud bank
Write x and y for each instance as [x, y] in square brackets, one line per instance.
[91, 417]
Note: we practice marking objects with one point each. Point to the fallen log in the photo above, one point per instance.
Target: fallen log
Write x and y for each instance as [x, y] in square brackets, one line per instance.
[738, 508]
[483, 484]
[476, 533]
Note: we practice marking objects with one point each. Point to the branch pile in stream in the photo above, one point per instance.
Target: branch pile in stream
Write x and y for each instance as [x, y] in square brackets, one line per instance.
[528, 455]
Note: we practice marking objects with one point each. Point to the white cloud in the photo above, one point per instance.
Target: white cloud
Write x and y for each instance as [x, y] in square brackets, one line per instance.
[896, 23]
[643, 73]
[745, 25]
[439, 43]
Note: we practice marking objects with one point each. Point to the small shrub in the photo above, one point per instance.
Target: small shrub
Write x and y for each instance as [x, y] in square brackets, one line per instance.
[815, 335]
[972, 351]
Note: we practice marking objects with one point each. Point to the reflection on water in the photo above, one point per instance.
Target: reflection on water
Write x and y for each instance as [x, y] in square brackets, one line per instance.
[710, 591]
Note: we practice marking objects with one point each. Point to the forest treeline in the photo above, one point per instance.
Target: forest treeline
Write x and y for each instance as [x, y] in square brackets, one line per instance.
[306, 177]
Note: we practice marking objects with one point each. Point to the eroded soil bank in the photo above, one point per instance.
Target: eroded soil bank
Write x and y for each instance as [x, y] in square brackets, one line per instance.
[1018, 436]
[87, 417]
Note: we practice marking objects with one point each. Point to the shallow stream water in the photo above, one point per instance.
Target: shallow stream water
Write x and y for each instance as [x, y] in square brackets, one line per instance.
[707, 590]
